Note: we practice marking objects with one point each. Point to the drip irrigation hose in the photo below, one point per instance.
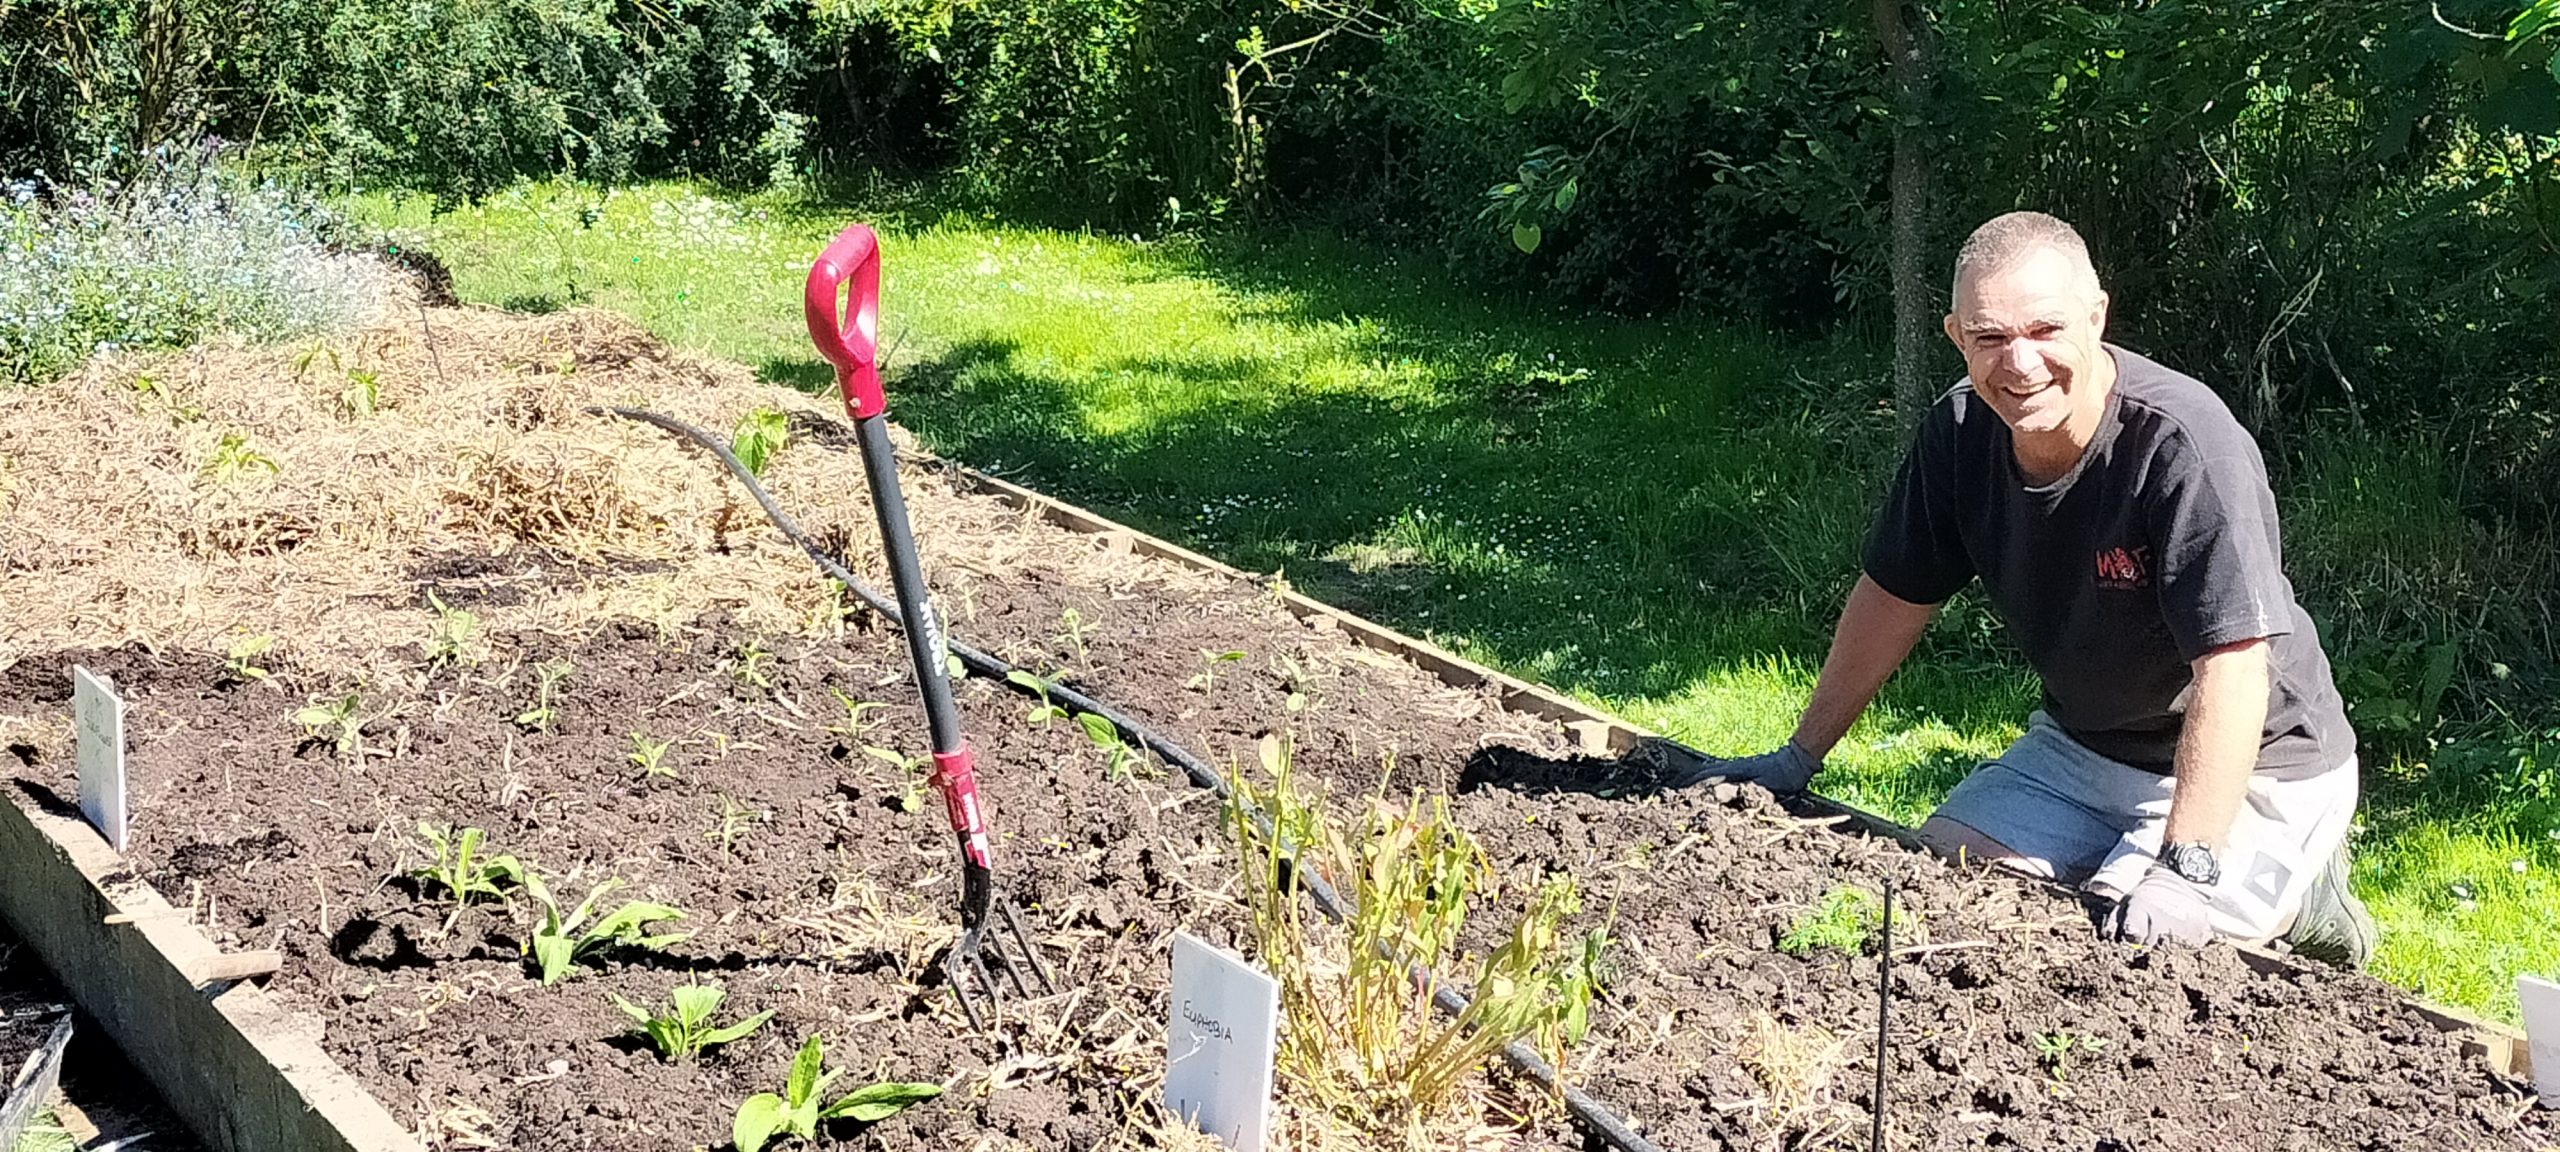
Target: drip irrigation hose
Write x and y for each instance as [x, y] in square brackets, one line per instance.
[1592, 1114]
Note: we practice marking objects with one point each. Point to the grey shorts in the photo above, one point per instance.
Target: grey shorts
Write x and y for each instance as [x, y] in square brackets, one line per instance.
[2076, 817]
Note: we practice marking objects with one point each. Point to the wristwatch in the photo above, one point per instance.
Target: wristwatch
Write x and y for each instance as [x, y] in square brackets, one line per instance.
[2193, 862]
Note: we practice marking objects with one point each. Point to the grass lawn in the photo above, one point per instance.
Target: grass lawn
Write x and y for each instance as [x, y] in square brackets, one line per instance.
[1658, 516]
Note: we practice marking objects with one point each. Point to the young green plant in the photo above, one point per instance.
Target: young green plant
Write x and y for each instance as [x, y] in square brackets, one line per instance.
[1120, 762]
[912, 772]
[462, 871]
[451, 638]
[796, 1112]
[1077, 628]
[240, 661]
[561, 939]
[1207, 677]
[1843, 921]
[549, 675]
[1042, 713]
[2054, 1050]
[338, 720]
[759, 437]
[733, 821]
[651, 756]
[682, 1033]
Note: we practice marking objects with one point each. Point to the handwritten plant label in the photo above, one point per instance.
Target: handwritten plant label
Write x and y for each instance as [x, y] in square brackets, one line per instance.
[1219, 1043]
[97, 716]
[2541, 1000]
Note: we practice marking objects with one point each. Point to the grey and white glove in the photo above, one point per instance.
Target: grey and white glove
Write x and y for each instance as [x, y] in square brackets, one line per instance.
[1784, 771]
[2165, 908]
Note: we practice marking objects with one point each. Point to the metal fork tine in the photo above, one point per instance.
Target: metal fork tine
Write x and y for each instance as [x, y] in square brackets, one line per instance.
[1030, 951]
[951, 968]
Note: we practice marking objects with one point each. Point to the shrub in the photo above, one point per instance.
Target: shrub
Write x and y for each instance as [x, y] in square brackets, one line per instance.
[184, 252]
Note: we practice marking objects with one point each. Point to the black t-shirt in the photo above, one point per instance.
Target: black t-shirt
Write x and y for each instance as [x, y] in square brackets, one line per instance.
[2159, 545]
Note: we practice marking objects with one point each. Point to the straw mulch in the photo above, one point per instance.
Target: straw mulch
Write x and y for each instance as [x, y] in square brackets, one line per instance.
[192, 501]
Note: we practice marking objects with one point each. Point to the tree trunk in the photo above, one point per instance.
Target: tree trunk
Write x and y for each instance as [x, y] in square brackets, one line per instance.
[1910, 55]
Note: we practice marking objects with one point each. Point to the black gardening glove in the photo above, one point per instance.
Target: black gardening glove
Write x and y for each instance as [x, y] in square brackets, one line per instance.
[2165, 908]
[1784, 771]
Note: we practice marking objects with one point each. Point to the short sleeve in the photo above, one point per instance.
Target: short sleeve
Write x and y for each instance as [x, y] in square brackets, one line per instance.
[1914, 549]
[2213, 537]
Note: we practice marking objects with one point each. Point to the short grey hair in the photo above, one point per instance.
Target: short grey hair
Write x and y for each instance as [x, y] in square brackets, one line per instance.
[2008, 238]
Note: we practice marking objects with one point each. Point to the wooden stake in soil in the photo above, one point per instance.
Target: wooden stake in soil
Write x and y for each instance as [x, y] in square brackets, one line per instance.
[1884, 1015]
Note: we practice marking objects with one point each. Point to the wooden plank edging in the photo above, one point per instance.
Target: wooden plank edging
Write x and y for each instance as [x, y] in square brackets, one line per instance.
[2502, 1046]
[245, 1073]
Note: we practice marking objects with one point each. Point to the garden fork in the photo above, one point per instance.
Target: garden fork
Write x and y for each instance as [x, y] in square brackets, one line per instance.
[848, 336]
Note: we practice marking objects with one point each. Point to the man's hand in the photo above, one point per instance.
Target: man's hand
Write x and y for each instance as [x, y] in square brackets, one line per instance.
[2165, 908]
[1784, 771]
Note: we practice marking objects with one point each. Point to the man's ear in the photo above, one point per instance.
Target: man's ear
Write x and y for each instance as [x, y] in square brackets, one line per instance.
[2098, 315]
[1948, 325]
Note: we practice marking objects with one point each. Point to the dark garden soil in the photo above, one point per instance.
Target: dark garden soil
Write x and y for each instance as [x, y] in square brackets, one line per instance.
[827, 901]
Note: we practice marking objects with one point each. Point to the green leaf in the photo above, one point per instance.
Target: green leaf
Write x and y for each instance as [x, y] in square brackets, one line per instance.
[626, 921]
[1525, 237]
[1103, 733]
[803, 1085]
[634, 1011]
[757, 1120]
[696, 1002]
[737, 1031]
[1027, 680]
[552, 955]
[1565, 196]
[879, 1102]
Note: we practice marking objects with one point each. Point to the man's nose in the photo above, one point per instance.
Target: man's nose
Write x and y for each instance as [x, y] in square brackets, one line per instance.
[2021, 357]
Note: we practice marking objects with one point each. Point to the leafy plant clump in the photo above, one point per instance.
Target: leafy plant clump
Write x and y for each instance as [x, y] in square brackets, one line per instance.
[1363, 1038]
[548, 675]
[796, 1111]
[760, 435]
[336, 719]
[561, 939]
[1845, 920]
[179, 253]
[682, 1034]
[2055, 1050]
[462, 871]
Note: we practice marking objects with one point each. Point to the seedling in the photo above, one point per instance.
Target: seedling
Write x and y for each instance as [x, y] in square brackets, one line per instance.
[1043, 712]
[1843, 921]
[683, 1034]
[2054, 1049]
[651, 756]
[233, 458]
[548, 676]
[240, 662]
[1076, 630]
[363, 396]
[1207, 677]
[753, 667]
[462, 871]
[561, 940]
[855, 711]
[795, 1111]
[1122, 763]
[337, 720]
[151, 387]
[758, 438]
[912, 770]
[453, 634]
[735, 820]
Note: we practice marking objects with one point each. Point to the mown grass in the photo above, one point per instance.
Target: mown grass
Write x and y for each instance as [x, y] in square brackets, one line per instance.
[1659, 516]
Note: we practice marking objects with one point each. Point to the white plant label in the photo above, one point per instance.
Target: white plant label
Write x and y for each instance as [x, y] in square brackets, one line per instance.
[97, 715]
[2541, 1000]
[1224, 1031]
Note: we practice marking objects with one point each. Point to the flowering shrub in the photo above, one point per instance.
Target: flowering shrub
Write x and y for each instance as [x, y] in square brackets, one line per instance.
[181, 253]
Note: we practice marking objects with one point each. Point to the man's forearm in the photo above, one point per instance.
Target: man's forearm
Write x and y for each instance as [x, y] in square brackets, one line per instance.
[2218, 746]
[1876, 630]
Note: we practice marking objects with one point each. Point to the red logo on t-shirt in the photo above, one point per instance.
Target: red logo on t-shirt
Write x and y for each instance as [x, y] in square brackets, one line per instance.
[2124, 568]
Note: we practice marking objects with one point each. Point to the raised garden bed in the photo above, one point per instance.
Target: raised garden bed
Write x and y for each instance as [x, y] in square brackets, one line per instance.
[813, 890]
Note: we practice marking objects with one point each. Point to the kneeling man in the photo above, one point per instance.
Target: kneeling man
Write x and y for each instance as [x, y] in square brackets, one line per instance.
[2191, 762]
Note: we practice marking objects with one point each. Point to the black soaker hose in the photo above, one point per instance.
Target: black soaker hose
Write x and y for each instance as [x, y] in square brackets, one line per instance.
[1598, 1117]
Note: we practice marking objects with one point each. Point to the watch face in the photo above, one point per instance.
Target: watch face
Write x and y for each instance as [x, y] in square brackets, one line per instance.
[2194, 862]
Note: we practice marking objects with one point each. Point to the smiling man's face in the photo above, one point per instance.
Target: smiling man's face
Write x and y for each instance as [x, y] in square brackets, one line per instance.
[2031, 333]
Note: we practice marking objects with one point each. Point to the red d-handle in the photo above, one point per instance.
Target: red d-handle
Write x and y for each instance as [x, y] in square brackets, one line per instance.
[849, 336]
